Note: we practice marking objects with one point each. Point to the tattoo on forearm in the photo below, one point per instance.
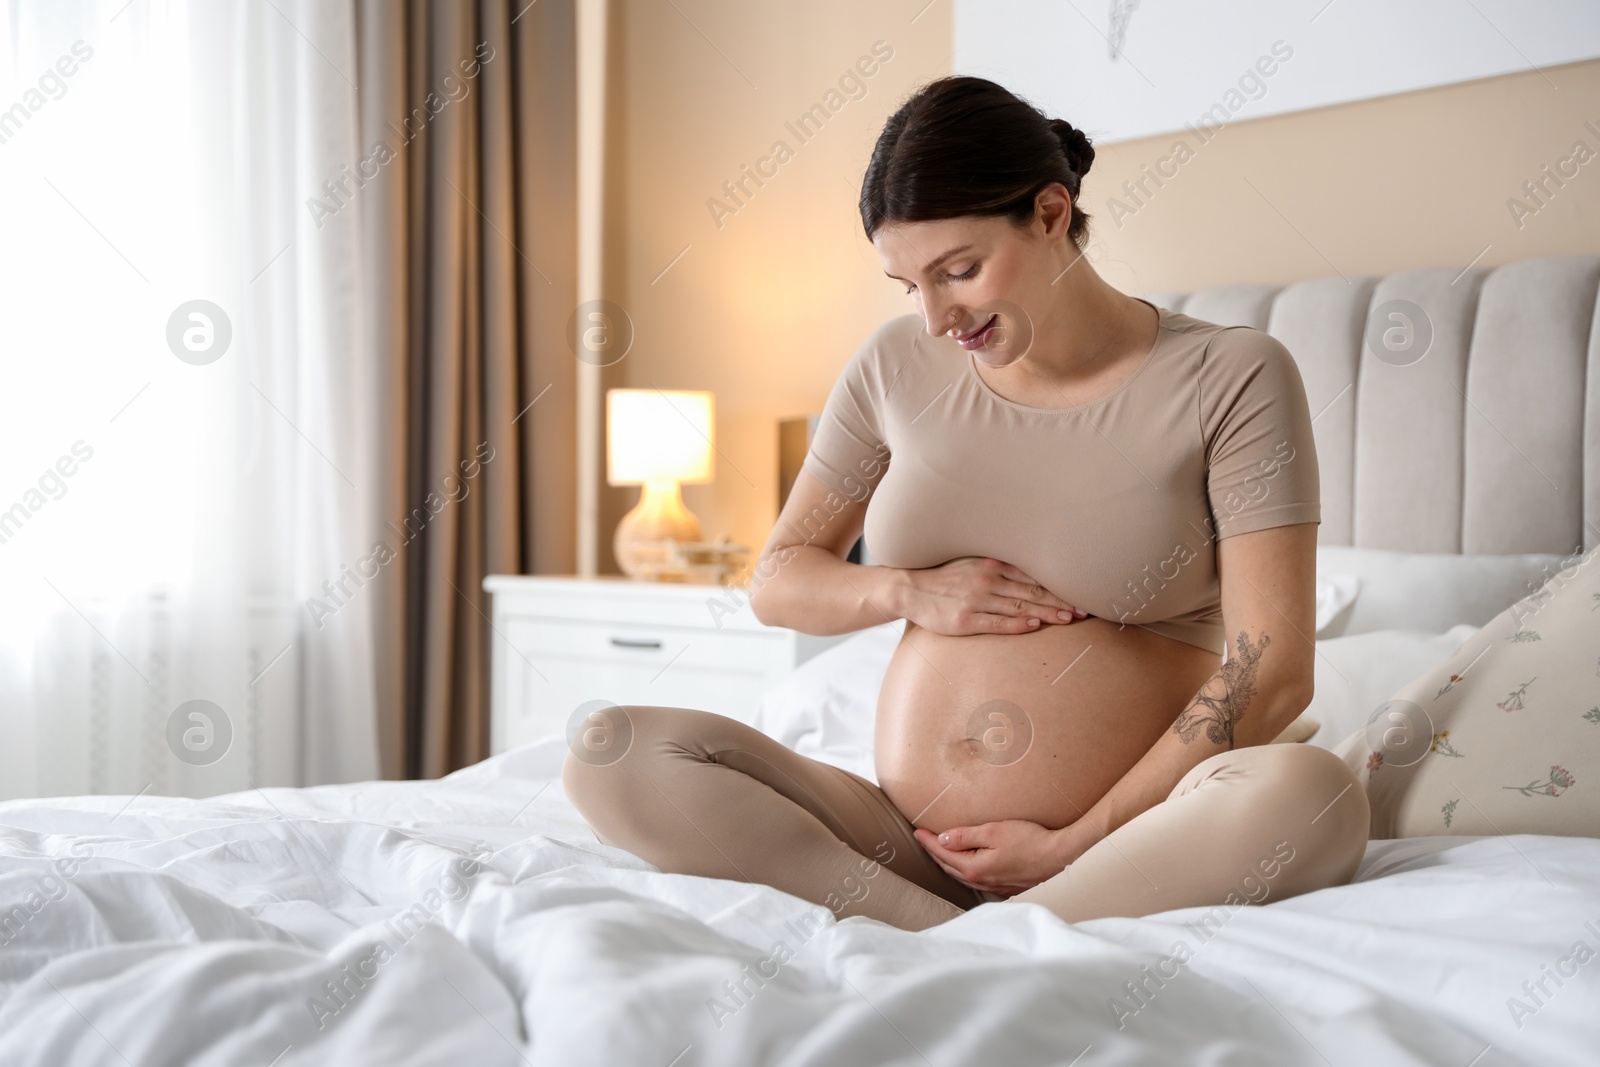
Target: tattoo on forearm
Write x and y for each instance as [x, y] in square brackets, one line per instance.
[1221, 702]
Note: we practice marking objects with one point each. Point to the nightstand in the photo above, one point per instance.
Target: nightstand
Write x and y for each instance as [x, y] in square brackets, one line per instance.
[562, 641]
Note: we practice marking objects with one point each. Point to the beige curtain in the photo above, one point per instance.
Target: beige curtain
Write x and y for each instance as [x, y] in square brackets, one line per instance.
[466, 193]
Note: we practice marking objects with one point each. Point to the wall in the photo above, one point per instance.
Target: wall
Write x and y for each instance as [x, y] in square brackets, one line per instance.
[1131, 70]
[1412, 180]
[765, 308]
[772, 297]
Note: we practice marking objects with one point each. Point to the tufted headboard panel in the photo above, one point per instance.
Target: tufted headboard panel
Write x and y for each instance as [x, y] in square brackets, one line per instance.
[1488, 443]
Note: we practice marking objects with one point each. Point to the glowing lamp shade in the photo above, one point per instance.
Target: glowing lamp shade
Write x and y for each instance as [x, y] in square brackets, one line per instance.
[656, 435]
[656, 439]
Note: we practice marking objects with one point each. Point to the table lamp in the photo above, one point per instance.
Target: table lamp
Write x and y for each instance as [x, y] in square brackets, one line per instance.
[656, 439]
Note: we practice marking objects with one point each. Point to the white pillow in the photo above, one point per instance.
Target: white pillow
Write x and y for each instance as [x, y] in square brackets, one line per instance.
[1356, 674]
[826, 707]
[1426, 591]
[1335, 592]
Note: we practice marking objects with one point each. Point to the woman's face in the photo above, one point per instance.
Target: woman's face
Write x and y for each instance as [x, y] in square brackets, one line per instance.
[981, 280]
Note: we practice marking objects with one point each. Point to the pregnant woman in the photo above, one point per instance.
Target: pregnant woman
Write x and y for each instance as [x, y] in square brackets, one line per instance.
[1098, 520]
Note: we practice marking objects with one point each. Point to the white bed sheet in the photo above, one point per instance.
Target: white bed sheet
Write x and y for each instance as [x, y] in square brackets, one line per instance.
[199, 932]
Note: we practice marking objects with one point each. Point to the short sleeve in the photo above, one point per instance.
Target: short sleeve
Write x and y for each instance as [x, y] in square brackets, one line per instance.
[849, 448]
[1261, 459]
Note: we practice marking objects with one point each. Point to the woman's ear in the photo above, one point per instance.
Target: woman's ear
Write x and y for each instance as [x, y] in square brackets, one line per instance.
[1052, 209]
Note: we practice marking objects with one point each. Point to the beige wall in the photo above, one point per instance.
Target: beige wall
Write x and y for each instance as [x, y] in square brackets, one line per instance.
[1412, 180]
[765, 309]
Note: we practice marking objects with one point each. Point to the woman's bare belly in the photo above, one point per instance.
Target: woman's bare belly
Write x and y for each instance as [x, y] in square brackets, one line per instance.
[1035, 726]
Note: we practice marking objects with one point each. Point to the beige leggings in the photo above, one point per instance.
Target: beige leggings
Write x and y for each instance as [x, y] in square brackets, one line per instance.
[698, 793]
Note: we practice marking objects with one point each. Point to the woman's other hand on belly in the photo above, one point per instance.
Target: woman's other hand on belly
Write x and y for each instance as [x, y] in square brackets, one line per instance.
[980, 595]
[1007, 857]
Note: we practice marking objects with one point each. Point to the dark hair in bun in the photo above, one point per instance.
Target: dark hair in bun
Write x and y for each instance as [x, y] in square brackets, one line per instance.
[1074, 145]
[968, 146]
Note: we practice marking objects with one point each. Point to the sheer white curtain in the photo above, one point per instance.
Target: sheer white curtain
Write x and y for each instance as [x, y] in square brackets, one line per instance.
[168, 504]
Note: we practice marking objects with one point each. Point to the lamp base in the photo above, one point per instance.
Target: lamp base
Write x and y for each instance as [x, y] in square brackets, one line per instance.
[658, 516]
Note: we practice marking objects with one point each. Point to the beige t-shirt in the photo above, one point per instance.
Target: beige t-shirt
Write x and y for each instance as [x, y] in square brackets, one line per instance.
[1114, 506]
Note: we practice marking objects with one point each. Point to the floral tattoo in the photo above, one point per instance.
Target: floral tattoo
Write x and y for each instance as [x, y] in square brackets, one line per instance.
[1218, 711]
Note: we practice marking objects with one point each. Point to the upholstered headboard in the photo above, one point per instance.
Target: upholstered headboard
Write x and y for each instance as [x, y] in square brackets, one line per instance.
[1489, 443]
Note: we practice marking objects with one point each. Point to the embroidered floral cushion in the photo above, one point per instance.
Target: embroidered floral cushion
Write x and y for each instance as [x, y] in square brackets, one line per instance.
[1503, 735]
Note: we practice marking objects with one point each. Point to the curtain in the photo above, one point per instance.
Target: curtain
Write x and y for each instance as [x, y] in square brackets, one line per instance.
[188, 428]
[285, 284]
[466, 187]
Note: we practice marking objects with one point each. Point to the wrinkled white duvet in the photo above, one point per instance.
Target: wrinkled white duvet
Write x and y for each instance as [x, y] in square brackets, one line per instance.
[475, 920]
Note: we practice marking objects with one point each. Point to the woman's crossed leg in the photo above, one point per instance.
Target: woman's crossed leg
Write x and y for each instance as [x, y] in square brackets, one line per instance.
[693, 792]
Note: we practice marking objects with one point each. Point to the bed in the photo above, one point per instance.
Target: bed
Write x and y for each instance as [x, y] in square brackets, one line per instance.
[475, 919]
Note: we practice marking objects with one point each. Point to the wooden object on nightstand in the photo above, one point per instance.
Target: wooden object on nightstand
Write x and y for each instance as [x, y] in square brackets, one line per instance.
[794, 444]
[559, 642]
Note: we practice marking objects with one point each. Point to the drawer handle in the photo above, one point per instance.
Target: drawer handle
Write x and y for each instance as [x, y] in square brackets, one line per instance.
[624, 642]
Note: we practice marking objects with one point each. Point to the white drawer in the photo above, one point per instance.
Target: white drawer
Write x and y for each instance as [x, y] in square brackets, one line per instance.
[560, 641]
[556, 666]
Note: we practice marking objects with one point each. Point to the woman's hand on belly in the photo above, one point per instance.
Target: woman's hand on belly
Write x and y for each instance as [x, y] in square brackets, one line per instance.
[1007, 857]
[980, 595]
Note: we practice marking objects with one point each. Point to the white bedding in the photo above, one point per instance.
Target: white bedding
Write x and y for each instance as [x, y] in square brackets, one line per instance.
[203, 931]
